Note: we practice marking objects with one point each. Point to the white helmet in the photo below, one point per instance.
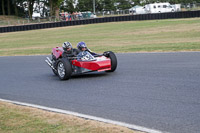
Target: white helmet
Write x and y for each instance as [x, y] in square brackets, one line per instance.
[66, 45]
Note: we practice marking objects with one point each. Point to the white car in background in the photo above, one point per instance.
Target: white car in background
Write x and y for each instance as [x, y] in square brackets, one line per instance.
[159, 8]
[35, 15]
[137, 10]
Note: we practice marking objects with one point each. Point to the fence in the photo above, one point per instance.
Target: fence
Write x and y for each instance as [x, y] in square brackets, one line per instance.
[186, 14]
[13, 21]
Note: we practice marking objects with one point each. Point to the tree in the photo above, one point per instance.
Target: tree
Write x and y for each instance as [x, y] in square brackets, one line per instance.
[30, 7]
[108, 4]
[85, 5]
[123, 4]
[3, 7]
[54, 7]
[15, 7]
[137, 2]
[8, 7]
[70, 6]
[99, 5]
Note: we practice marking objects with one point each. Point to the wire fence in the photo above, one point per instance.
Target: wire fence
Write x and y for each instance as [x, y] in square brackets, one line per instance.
[25, 21]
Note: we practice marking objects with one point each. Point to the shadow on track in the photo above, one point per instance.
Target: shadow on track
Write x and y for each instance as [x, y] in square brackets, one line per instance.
[89, 75]
[80, 76]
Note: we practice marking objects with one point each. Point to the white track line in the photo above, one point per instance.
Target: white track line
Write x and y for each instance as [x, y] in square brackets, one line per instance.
[131, 126]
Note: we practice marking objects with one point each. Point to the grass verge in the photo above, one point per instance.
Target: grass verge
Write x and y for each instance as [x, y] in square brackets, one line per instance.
[20, 119]
[133, 36]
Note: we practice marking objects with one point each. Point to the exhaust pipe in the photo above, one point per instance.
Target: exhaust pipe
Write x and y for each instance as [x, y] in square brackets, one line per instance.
[49, 62]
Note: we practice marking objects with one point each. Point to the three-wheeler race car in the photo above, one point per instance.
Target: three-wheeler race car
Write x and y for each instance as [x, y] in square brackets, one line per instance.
[65, 67]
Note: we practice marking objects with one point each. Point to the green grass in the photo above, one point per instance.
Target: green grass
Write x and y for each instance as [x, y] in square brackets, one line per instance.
[19, 119]
[132, 36]
[14, 121]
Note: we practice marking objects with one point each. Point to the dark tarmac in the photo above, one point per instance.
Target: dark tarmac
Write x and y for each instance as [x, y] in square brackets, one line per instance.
[155, 90]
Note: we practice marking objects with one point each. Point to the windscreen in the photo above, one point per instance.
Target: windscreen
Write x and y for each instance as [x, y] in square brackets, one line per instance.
[85, 56]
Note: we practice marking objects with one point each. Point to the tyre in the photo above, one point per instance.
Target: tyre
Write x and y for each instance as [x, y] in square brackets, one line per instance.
[113, 59]
[64, 69]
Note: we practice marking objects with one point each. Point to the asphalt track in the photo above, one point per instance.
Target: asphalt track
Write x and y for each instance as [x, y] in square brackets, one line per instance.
[155, 90]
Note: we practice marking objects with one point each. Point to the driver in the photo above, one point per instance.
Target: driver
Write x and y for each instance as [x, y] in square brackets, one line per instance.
[83, 50]
[81, 46]
[68, 50]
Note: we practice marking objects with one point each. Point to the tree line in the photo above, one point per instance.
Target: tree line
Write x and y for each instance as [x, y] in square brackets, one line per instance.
[25, 8]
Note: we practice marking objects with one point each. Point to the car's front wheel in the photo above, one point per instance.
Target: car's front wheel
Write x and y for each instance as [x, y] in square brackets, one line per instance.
[113, 59]
[64, 69]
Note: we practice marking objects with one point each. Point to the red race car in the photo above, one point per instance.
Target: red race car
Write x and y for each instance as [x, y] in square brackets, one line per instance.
[68, 66]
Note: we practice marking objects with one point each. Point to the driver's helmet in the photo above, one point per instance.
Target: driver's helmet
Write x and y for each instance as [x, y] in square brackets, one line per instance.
[81, 45]
[66, 45]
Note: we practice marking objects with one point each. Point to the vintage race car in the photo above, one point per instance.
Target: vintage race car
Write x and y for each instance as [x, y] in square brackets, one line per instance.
[68, 66]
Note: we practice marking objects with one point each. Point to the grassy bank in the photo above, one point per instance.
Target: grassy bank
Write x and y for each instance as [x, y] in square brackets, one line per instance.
[20, 119]
[132, 36]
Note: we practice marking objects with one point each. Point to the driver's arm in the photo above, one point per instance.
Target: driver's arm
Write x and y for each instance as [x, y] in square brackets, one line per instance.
[91, 52]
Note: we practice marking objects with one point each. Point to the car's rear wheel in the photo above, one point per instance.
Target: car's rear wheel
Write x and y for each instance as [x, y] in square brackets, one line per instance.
[64, 69]
[113, 59]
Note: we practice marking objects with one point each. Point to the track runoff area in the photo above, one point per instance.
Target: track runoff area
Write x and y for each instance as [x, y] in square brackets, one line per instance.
[131, 126]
